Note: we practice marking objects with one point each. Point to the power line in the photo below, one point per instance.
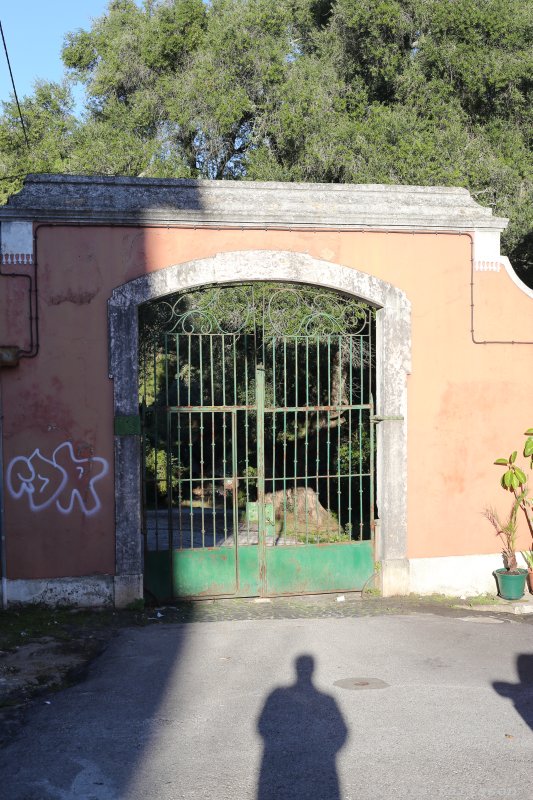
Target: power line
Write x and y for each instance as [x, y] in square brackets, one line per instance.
[13, 85]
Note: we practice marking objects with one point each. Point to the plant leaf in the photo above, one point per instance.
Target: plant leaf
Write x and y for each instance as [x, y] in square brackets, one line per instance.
[512, 457]
[520, 475]
[502, 461]
[529, 432]
[515, 483]
[507, 479]
[528, 449]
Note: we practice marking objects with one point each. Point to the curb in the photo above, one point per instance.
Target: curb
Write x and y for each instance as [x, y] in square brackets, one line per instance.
[520, 607]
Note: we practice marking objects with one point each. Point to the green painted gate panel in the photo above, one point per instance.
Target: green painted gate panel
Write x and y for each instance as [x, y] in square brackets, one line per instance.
[204, 572]
[316, 568]
[249, 584]
[207, 573]
[196, 573]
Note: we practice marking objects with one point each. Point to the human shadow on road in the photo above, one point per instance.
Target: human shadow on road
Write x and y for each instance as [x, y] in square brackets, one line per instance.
[303, 730]
[521, 693]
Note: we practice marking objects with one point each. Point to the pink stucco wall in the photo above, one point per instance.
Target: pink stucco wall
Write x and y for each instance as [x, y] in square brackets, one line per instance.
[467, 403]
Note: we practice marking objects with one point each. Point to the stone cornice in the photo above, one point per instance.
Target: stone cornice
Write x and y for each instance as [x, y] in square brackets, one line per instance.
[79, 199]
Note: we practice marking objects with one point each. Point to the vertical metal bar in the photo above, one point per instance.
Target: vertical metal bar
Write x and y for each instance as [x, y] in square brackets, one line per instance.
[350, 435]
[274, 417]
[361, 369]
[360, 475]
[361, 428]
[295, 456]
[213, 488]
[372, 432]
[224, 433]
[235, 499]
[285, 439]
[156, 449]
[339, 426]
[306, 443]
[371, 467]
[178, 403]
[143, 453]
[142, 386]
[260, 402]
[246, 436]
[168, 473]
[202, 428]
[191, 496]
[317, 462]
[328, 435]
[235, 465]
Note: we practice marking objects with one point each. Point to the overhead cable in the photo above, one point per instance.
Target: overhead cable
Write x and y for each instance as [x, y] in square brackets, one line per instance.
[13, 85]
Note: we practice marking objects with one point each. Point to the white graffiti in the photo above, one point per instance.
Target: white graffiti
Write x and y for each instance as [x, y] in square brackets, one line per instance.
[64, 480]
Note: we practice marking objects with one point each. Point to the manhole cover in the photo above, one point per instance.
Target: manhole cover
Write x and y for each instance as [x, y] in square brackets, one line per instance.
[361, 683]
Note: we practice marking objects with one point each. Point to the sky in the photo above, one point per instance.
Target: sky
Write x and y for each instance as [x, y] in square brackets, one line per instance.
[34, 32]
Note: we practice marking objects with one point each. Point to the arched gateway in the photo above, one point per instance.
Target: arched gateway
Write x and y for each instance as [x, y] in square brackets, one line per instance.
[265, 484]
[250, 483]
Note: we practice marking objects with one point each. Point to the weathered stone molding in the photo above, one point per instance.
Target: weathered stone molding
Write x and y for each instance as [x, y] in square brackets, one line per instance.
[393, 357]
[115, 200]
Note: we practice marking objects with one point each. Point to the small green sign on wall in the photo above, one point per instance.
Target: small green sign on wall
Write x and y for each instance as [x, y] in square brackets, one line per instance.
[127, 425]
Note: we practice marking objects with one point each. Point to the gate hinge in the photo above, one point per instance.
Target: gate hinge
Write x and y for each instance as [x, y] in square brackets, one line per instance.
[127, 425]
[377, 419]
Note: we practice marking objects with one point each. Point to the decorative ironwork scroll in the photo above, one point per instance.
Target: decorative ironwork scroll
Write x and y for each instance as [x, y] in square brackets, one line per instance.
[273, 309]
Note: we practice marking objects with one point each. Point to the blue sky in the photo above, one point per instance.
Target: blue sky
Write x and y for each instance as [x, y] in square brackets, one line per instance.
[34, 31]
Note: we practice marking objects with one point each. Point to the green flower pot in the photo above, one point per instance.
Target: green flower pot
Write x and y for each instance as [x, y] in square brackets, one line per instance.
[511, 586]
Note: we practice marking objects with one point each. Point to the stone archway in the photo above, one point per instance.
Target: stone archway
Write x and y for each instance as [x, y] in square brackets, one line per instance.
[393, 351]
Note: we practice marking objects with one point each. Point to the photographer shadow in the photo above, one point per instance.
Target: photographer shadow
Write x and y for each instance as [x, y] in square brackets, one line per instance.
[521, 693]
[303, 730]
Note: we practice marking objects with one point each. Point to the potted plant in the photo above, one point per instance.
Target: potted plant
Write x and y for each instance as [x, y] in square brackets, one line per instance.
[511, 578]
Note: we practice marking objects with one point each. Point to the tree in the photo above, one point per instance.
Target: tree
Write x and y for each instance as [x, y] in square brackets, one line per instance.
[382, 91]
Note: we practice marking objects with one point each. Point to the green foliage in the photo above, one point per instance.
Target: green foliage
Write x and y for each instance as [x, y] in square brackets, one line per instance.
[514, 480]
[317, 537]
[381, 91]
[162, 469]
[50, 126]
[355, 455]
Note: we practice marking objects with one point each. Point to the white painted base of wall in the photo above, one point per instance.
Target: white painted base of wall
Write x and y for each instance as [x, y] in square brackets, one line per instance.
[455, 576]
[88, 591]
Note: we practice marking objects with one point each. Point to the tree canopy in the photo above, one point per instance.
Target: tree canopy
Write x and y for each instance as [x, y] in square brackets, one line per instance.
[430, 92]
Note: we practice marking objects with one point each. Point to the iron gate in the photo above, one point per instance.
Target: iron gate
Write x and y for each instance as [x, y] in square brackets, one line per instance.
[258, 446]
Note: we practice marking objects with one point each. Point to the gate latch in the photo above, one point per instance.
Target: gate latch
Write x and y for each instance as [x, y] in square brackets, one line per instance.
[377, 419]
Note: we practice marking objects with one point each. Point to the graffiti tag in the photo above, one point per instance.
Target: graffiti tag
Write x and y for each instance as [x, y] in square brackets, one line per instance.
[62, 479]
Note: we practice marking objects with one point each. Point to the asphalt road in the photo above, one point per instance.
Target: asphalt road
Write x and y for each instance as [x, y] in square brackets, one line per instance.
[364, 708]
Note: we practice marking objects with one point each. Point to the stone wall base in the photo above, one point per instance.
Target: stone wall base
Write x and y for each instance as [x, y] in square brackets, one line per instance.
[128, 589]
[88, 591]
[83, 592]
